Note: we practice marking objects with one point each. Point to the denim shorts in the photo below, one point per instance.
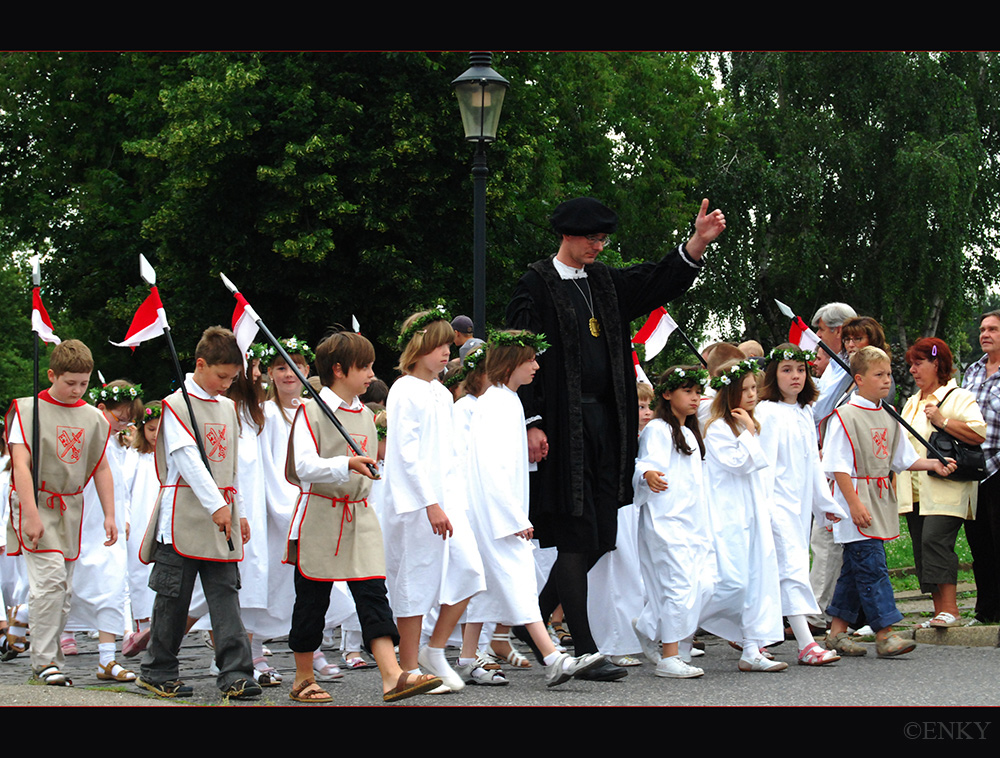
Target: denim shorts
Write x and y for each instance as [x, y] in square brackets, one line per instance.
[864, 583]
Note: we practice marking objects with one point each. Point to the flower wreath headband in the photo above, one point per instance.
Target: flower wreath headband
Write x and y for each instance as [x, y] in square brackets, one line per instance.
[293, 346]
[419, 325]
[115, 395]
[520, 339]
[802, 356]
[261, 352]
[469, 364]
[734, 374]
[681, 376]
[151, 413]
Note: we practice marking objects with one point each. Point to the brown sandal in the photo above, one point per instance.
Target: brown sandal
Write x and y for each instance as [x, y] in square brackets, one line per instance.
[424, 683]
[310, 692]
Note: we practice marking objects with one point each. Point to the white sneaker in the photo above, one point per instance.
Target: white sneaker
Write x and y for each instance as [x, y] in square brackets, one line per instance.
[565, 667]
[675, 668]
[444, 672]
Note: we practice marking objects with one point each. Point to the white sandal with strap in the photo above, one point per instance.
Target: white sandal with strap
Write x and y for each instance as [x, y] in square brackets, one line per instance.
[514, 658]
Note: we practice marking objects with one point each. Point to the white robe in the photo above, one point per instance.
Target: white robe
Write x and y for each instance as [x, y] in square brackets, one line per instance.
[250, 483]
[498, 508]
[797, 491]
[275, 618]
[145, 488]
[746, 604]
[615, 593]
[423, 570]
[676, 546]
[100, 576]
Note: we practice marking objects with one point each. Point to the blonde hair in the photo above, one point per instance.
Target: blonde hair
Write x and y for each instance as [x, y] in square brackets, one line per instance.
[431, 337]
[866, 357]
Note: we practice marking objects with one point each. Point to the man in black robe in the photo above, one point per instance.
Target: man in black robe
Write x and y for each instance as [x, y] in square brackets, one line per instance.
[581, 409]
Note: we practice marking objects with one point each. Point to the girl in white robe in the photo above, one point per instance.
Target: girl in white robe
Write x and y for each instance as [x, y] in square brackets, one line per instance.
[497, 467]
[676, 550]
[431, 554]
[144, 491]
[746, 603]
[796, 487]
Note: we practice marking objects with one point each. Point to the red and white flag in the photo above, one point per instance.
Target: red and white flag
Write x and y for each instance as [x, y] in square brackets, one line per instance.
[40, 322]
[149, 321]
[244, 325]
[655, 331]
[800, 334]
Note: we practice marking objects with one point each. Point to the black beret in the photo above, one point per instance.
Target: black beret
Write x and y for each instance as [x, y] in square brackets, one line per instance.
[583, 215]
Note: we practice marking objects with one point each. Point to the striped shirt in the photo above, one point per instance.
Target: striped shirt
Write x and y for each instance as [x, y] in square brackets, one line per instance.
[987, 392]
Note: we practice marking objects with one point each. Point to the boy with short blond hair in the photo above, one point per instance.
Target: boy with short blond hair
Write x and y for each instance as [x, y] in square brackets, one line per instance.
[72, 439]
[863, 445]
[193, 524]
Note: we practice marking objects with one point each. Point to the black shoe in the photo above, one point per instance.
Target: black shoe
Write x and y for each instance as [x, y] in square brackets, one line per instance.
[242, 689]
[603, 672]
[173, 688]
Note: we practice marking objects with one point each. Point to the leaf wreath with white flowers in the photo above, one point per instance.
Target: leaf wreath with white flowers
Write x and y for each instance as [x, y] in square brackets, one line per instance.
[520, 339]
[735, 374]
[419, 325]
[294, 346]
[261, 352]
[802, 356]
[115, 395]
[682, 376]
[469, 364]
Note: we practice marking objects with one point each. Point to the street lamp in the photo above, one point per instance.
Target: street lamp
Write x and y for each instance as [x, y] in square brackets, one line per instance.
[480, 92]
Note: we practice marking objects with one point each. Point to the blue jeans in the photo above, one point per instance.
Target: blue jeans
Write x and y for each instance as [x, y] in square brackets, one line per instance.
[864, 583]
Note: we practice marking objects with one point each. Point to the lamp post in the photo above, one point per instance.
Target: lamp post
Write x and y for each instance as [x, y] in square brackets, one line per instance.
[480, 92]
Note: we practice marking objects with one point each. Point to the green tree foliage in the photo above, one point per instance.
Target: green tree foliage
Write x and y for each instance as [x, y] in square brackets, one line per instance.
[854, 177]
[327, 185]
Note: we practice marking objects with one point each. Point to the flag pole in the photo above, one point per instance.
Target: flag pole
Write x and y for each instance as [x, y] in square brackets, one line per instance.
[327, 411]
[148, 275]
[691, 345]
[36, 280]
[843, 364]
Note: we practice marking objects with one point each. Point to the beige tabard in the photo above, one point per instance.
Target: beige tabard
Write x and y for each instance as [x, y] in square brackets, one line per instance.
[874, 436]
[192, 531]
[72, 439]
[339, 537]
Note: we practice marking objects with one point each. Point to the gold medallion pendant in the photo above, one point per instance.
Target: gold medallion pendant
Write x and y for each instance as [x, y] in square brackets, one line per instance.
[595, 328]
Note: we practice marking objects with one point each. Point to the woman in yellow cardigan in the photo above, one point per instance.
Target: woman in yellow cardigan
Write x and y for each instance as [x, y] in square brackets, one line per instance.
[936, 508]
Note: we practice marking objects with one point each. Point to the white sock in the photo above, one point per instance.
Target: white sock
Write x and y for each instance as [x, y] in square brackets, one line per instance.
[551, 658]
[750, 650]
[106, 650]
[800, 628]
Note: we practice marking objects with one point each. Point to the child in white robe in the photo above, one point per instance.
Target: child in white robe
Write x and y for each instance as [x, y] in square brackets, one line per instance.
[746, 603]
[145, 488]
[796, 487]
[676, 550]
[498, 495]
[431, 554]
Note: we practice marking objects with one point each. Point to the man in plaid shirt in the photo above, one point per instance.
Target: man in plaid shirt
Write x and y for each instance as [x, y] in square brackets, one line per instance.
[982, 378]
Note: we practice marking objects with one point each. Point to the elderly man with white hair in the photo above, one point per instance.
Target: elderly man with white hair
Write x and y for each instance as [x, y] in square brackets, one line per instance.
[827, 554]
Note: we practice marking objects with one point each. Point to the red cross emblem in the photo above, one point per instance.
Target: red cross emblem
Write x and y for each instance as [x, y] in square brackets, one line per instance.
[362, 441]
[69, 443]
[880, 443]
[216, 436]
